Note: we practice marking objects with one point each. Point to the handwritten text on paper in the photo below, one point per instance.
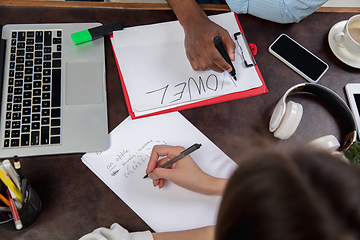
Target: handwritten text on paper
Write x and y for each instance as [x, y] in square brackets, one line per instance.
[126, 162]
[190, 89]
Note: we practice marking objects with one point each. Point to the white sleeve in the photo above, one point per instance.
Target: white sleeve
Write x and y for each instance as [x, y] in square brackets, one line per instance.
[116, 232]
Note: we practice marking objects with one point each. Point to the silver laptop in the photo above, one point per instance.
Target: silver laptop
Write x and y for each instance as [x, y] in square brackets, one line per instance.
[53, 96]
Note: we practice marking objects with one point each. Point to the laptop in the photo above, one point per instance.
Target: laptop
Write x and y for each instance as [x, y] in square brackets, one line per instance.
[53, 92]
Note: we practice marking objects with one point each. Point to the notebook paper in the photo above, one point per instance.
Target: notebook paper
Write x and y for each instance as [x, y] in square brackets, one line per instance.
[122, 168]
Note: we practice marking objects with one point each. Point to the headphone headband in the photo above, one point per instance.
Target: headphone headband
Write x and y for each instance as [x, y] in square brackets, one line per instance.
[328, 96]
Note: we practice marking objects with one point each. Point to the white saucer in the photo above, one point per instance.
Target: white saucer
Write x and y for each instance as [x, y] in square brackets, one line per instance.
[340, 52]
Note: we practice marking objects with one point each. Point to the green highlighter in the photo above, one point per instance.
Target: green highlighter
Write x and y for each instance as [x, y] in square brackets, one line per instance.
[95, 33]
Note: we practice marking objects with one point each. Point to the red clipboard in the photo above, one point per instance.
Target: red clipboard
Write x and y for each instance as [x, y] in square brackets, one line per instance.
[224, 98]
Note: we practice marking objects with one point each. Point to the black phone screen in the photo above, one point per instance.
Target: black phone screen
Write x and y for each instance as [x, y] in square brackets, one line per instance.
[357, 101]
[299, 57]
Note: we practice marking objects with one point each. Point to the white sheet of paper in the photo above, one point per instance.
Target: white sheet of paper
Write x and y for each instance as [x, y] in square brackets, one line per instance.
[158, 75]
[122, 168]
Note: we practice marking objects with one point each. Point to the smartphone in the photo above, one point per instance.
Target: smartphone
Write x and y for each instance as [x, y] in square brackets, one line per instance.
[353, 94]
[298, 58]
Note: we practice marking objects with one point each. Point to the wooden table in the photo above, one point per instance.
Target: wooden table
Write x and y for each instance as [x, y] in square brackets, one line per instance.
[76, 202]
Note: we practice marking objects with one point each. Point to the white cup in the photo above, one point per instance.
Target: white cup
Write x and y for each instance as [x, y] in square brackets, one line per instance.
[349, 37]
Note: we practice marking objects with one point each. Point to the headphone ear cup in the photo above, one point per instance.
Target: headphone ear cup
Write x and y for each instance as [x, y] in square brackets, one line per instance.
[290, 121]
[277, 115]
[328, 142]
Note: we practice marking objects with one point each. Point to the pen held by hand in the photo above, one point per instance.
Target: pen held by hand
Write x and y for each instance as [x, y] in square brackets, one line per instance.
[180, 156]
[221, 48]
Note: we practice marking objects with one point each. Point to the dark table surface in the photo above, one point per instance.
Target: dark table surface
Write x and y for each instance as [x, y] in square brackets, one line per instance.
[76, 202]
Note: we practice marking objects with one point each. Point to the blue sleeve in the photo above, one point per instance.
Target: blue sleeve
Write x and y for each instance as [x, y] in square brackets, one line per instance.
[280, 11]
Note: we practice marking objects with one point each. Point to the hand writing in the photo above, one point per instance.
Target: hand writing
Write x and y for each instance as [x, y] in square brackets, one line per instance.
[184, 173]
[199, 45]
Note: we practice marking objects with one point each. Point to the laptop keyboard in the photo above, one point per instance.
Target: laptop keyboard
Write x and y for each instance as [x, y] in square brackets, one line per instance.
[33, 114]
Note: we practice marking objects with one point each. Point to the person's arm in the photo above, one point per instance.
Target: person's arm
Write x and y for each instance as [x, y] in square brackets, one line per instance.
[205, 233]
[280, 11]
[199, 34]
[184, 173]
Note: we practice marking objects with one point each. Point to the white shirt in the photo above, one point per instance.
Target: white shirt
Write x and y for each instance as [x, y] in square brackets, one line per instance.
[280, 11]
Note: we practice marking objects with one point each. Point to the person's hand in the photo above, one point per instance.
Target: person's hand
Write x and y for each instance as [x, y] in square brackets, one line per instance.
[184, 173]
[200, 49]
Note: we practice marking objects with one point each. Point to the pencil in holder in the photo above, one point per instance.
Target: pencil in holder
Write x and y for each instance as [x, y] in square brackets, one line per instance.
[30, 210]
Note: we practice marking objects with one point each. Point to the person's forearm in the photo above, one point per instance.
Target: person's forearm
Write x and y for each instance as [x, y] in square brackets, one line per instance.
[205, 233]
[215, 186]
[186, 10]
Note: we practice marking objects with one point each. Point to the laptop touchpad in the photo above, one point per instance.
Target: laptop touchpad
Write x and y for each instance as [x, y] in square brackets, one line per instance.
[84, 83]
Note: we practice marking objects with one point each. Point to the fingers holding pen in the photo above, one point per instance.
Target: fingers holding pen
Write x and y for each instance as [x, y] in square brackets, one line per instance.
[158, 175]
[203, 56]
[161, 151]
[155, 173]
[224, 50]
[200, 49]
[177, 166]
[229, 45]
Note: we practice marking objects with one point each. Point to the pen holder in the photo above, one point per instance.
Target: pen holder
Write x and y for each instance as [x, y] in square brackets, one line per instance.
[31, 206]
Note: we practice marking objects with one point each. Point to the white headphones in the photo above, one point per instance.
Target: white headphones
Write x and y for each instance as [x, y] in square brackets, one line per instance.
[286, 116]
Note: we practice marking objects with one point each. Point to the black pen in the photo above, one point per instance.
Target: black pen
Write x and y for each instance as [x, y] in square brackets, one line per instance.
[221, 48]
[24, 194]
[180, 156]
[17, 166]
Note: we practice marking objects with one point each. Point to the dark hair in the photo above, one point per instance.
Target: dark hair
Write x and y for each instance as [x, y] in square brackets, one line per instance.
[305, 195]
